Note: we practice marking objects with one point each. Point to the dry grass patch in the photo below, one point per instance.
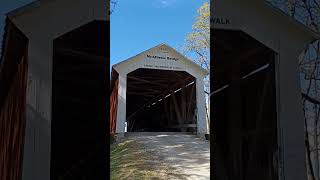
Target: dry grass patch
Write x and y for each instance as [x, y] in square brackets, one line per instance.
[129, 160]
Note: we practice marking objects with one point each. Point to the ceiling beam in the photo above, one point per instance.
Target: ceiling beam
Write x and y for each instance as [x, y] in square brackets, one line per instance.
[141, 94]
[146, 81]
[77, 53]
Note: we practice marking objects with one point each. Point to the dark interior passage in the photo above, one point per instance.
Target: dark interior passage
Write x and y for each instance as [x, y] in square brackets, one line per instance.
[79, 103]
[161, 101]
[243, 109]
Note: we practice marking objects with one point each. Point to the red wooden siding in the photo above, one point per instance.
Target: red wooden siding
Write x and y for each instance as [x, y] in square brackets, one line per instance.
[12, 125]
[13, 84]
[114, 106]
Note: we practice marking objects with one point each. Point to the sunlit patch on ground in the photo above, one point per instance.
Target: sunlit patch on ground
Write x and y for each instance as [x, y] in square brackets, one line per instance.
[154, 156]
[130, 160]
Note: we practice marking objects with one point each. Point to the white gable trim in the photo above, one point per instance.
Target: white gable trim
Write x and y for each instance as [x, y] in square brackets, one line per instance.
[263, 22]
[57, 17]
[141, 61]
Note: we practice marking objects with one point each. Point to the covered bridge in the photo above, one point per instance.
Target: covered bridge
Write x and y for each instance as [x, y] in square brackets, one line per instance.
[53, 91]
[257, 115]
[158, 90]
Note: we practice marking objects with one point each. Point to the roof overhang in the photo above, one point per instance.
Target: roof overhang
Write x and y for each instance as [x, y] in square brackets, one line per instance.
[262, 21]
[133, 61]
[56, 17]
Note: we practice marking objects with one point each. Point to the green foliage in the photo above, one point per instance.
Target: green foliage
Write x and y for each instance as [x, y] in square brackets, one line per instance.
[198, 41]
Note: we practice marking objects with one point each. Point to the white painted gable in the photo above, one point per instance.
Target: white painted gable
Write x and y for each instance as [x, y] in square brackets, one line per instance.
[161, 57]
[49, 19]
[262, 21]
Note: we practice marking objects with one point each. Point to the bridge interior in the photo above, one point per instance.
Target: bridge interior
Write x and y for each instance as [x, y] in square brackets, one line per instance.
[243, 101]
[79, 103]
[161, 101]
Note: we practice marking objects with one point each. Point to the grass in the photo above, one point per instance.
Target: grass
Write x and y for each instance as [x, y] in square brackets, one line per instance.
[130, 161]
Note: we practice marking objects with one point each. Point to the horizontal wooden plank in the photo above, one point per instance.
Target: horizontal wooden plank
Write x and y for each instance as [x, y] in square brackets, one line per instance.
[184, 126]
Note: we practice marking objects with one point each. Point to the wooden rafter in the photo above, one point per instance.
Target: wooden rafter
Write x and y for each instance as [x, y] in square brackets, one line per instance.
[141, 94]
[73, 52]
[185, 126]
[146, 81]
[165, 92]
[165, 104]
[183, 104]
[189, 113]
[176, 107]
[179, 75]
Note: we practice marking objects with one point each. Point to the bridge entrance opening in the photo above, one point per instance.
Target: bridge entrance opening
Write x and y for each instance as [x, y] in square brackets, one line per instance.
[79, 103]
[161, 101]
[244, 118]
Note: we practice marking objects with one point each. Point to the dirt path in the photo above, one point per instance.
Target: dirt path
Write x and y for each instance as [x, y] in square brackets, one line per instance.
[188, 157]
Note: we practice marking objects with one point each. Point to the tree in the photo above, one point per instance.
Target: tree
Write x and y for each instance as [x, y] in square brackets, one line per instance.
[198, 45]
[112, 4]
[198, 41]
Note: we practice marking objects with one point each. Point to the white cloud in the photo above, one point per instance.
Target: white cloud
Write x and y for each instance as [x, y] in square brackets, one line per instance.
[165, 3]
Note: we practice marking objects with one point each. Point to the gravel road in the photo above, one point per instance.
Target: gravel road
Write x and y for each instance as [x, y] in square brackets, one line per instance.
[187, 156]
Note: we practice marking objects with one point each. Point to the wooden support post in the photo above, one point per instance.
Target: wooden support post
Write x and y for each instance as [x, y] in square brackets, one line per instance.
[177, 109]
[262, 100]
[258, 137]
[171, 112]
[183, 108]
[234, 123]
[166, 111]
[190, 101]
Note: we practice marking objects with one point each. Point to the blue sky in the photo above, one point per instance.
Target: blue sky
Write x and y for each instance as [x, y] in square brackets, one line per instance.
[141, 24]
[5, 7]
